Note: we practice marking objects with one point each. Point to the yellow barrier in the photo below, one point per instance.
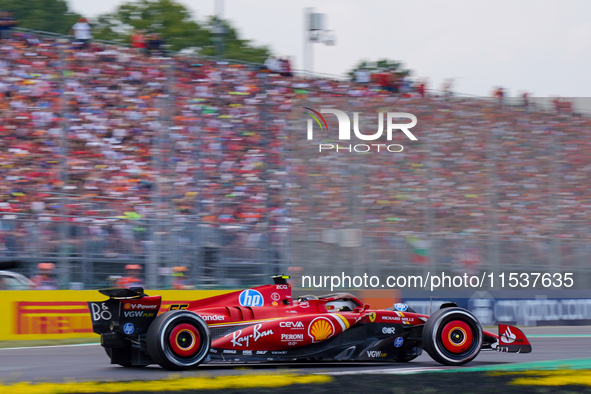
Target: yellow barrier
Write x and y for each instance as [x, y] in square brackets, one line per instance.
[56, 314]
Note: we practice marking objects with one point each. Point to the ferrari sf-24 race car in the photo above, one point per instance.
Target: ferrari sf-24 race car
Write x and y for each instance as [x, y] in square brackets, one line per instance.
[265, 324]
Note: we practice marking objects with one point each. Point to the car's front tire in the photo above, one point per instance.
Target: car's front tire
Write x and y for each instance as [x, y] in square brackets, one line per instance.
[452, 336]
[178, 340]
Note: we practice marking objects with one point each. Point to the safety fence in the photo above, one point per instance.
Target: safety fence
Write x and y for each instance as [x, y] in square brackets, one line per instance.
[354, 252]
[92, 252]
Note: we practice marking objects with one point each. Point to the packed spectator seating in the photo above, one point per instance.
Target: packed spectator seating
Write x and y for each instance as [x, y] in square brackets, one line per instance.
[211, 141]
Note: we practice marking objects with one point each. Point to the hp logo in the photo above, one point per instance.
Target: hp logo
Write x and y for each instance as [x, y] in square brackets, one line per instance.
[251, 297]
[128, 328]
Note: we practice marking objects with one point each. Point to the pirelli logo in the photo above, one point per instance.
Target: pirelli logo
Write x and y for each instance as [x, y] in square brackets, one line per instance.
[52, 317]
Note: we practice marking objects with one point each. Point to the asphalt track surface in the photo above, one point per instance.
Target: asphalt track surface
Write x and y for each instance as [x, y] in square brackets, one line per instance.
[90, 363]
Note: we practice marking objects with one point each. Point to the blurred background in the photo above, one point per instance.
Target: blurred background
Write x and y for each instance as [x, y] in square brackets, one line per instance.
[143, 144]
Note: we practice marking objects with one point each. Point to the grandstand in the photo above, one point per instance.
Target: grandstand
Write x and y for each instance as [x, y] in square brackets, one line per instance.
[109, 157]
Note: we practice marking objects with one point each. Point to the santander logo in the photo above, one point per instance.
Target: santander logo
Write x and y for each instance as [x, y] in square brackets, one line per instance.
[508, 336]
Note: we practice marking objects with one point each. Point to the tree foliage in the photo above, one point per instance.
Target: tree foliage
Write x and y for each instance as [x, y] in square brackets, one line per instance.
[45, 15]
[381, 65]
[235, 47]
[176, 26]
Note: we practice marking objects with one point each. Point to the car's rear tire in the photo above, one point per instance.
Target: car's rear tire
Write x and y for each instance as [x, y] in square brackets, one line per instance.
[178, 340]
[452, 336]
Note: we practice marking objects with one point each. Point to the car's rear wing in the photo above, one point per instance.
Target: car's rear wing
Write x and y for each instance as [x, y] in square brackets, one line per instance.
[117, 292]
[127, 312]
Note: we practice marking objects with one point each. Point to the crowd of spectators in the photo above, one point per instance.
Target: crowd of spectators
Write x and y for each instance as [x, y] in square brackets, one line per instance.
[129, 136]
[478, 168]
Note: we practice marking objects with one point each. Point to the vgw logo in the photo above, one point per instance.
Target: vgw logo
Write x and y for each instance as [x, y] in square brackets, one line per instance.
[345, 130]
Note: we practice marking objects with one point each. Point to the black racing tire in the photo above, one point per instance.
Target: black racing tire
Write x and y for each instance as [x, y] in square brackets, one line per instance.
[178, 340]
[452, 336]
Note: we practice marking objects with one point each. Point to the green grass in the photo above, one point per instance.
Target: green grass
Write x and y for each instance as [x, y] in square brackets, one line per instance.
[48, 342]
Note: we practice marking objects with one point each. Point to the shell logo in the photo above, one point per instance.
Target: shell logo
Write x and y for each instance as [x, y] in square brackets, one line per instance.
[321, 329]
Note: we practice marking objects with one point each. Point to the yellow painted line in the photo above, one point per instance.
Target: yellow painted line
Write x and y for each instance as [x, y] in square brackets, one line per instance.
[554, 378]
[171, 384]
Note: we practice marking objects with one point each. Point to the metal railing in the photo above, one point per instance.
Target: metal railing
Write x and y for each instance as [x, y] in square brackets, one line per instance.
[91, 252]
[320, 253]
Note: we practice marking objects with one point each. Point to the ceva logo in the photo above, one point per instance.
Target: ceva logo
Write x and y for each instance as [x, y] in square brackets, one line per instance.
[291, 324]
[251, 297]
[345, 130]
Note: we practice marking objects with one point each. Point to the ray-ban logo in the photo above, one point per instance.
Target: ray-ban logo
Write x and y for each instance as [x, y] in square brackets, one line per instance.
[344, 132]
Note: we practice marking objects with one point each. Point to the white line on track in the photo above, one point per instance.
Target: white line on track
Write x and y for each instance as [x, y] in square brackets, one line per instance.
[50, 346]
[385, 371]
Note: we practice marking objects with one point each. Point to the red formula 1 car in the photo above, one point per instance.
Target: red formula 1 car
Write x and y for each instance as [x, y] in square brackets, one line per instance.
[265, 324]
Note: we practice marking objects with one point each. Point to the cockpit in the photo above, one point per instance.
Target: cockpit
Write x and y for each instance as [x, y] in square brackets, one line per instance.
[339, 302]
